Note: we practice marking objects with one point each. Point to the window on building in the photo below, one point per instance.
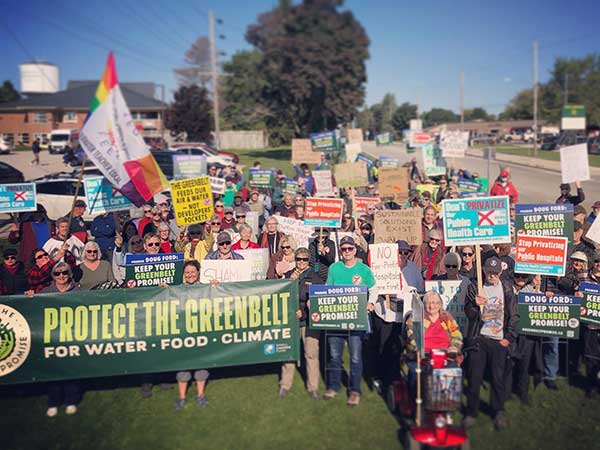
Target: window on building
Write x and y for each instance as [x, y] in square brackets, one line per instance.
[24, 138]
[70, 116]
[10, 137]
[40, 117]
[140, 115]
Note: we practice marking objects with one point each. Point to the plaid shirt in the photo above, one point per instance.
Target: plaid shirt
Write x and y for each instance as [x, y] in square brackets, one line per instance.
[40, 277]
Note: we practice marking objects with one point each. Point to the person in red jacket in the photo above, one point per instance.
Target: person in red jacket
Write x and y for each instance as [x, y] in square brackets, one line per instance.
[503, 186]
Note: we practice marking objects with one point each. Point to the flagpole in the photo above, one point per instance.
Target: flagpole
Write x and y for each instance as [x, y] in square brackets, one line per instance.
[79, 179]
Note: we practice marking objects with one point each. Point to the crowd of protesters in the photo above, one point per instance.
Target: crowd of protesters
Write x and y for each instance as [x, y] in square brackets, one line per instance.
[69, 255]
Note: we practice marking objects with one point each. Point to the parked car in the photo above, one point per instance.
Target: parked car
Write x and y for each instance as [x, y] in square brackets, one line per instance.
[211, 157]
[5, 146]
[59, 139]
[594, 145]
[8, 174]
[164, 159]
[235, 158]
[550, 143]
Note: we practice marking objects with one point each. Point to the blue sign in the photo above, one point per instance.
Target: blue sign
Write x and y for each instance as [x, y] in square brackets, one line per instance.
[17, 197]
[469, 221]
[101, 197]
[385, 162]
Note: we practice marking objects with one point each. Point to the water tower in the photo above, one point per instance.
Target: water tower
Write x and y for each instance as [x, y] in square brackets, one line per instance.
[38, 78]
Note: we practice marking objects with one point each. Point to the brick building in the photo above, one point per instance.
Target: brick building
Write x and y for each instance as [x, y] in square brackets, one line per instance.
[23, 121]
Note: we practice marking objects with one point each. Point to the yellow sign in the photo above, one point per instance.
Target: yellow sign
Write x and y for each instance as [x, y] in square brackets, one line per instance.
[192, 200]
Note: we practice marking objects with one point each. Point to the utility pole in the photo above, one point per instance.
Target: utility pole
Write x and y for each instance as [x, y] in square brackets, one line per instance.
[535, 97]
[462, 100]
[566, 89]
[213, 74]
[162, 99]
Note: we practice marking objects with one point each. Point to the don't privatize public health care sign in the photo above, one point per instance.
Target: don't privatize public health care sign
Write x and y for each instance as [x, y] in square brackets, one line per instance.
[17, 197]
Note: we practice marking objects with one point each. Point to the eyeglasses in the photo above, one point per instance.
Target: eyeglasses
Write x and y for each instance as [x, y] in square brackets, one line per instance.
[62, 272]
[10, 257]
[405, 252]
[451, 266]
[370, 187]
[218, 206]
[596, 261]
[366, 228]
[228, 213]
[43, 255]
[91, 251]
[347, 217]
[347, 249]
[241, 216]
[434, 240]
[299, 259]
[146, 211]
[222, 244]
[215, 223]
[194, 233]
[153, 244]
[467, 254]
[136, 242]
[285, 247]
[156, 214]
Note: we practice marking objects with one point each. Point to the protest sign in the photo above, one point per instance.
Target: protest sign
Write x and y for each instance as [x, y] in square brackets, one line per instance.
[555, 316]
[192, 200]
[544, 220]
[323, 212]
[290, 186]
[593, 233]
[188, 166]
[399, 224]
[492, 316]
[225, 270]
[153, 270]
[217, 185]
[126, 331]
[590, 304]
[352, 151]
[419, 138]
[296, 229]
[252, 220]
[393, 184]
[433, 163]
[468, 187]
[471, 221]
[360, 205]
[453, 293]
[323, 183]
[383, 139]
[338, 307]
[17, 197]
[431, 188]
[484, 184]
[302, 152]
[416, 124]
[354, 135]
[327, 141]
[386, 162]
[259, 258]
[351, 174]
[102, 197]
[541, 255]
[454, 143]
[363, 157]
[260, 178]
[383, 261]
[574, 163]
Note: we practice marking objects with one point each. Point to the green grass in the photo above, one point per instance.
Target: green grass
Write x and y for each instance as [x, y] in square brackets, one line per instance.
[273, 157]
[542, 154]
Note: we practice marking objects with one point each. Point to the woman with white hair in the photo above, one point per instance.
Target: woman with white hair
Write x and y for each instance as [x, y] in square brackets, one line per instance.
[94, 271]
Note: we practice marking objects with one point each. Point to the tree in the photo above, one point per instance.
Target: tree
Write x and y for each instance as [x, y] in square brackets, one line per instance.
[383, 114]
[190, 112]
[365, 119]
[313, 58]
[197, 59]
[8, 93]
[437, 116]
[243, 87]
[476, 114]
[402, 117]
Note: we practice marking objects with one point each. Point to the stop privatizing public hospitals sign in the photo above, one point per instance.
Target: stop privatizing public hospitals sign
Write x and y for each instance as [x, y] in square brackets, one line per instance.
[481, 220]
[323, 212]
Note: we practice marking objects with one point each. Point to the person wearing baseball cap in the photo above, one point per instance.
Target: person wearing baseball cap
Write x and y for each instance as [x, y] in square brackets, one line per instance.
[411, 272]
[348, 271]
[595, 212]
[223, 250]
[504, 186]
[228, 219]
[579, 244]
[13, 279]
[566, 197]
[493, 327]
[230, 190]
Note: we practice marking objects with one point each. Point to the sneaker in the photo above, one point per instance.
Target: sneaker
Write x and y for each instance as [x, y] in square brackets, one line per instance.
[146, 390]
[500, 422]
[377, 385]
[330, 394]
[283, 392]
[179, 404]
[314, 395]
[354, 399]
[202, 402]
[52, 412]
[468, 422]
[551, 384]
[71, 409]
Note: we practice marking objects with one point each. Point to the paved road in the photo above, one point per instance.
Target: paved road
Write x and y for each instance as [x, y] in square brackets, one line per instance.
[534, 185]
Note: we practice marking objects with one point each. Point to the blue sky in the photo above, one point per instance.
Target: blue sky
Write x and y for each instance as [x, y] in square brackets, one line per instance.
[418, 48]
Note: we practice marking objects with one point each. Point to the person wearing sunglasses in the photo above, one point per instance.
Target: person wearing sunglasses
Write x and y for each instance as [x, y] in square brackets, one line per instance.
[322, 252]
[283, 260]
[348, 271]
[223, 250]
[156, 220]
[347, 223]
[13, 280]
[452, 266]
[411, 272]
[128, 242]
[467, 265]
[366, 231]
[146, 218]
[93, 270]
[306, 277]
[33, 229]
[39, 274]
[443, 191]
[240, 219]
[197, 243]
[429, 258]
[594, 274]
[151, 244]
[228, 219]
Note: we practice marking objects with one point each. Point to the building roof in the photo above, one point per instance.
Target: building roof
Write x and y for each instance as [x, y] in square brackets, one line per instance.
[80, 98]
[141, 87]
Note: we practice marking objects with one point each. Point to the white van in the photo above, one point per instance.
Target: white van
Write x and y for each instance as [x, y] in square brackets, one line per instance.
[59, 139]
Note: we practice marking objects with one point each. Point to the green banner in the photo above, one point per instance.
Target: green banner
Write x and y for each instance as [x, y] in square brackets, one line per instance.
[383, 139]
[554, 316]
[338, 307]
[327, 141]
[126, 331]
[153, 270]
[260, 178]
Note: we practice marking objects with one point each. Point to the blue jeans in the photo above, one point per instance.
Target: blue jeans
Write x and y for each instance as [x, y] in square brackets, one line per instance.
[551, 361]
[336, 350]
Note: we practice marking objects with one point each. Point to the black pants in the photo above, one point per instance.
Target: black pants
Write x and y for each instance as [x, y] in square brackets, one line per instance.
[490, 354]
[385, 348]
[517, 370]
[64, 393]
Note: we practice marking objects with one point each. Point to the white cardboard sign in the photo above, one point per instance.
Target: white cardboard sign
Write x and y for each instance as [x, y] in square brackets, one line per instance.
[574, 163]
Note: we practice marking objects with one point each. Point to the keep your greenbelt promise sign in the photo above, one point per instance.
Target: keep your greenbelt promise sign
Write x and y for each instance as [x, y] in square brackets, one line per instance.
[153, 270]
[554, 316]
[544, 220]
[338, 307]
[127, 331]
[590, 304]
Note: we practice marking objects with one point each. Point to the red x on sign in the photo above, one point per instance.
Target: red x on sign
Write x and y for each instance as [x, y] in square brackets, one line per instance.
[115, 192]
[485, 217]
[20, 196]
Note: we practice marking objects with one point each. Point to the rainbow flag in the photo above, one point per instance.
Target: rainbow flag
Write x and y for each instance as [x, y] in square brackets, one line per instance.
[110, 139]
